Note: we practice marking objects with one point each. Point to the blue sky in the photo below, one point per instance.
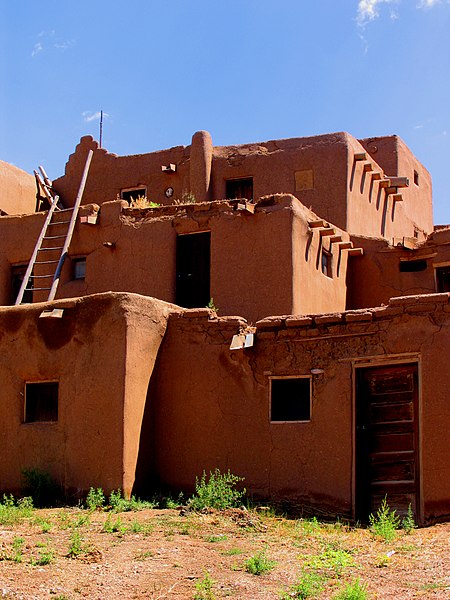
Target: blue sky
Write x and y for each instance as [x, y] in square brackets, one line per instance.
[245, 70]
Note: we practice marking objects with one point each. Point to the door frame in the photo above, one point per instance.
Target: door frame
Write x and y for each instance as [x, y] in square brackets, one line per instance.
[368, 362]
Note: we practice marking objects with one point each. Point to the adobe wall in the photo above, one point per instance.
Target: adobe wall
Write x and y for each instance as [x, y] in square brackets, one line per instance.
[376, 276]
[103, 364]
[215, 411]
[17, 190]
[261, 263]
[321, 171]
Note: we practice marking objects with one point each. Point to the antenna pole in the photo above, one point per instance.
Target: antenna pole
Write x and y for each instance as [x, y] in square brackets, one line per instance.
[101, 127]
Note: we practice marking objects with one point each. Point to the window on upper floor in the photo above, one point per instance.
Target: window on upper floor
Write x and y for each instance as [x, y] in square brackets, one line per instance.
[239, 188]
[290, 399]
[79, 267]
[41, 402]
[17, 275]
[133, 194]
[326, 263]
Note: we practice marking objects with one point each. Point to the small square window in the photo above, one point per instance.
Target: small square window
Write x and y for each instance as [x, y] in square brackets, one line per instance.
[290, 399]
[239, 188]
[79, 268]
[416, 178]
[326, 263]
[41, 402]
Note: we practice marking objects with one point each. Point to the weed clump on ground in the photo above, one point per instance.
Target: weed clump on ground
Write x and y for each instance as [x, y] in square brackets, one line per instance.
[95, 499]
[204, 588]
[353, 591]
[216, 491]
[385, 522]
[259, 564]
[308, 586]
[13, 511]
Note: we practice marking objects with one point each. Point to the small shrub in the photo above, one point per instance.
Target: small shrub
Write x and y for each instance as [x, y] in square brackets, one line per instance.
[116, 526]
[335, 560]
[259, 564]
[385, 522]
[216, 538]
[204, 588]
[16, 550]
[44, 524]
[353, 591]
[212, 306]
[308, 586]
[143, 202]
[95, 499]
[76, 546]
[408, 522]
[217, 491]
[45, 557]
[41, 487]
[12, 511]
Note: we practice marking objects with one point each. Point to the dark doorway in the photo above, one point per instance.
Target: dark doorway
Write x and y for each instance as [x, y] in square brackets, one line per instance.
[17, 275]
[240, 188]
[387, 439]
[193, 270]
[443, 279]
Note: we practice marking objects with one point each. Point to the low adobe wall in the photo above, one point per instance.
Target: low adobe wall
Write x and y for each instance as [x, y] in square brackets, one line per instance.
[17, 190]
[209, 405]
[102, 353]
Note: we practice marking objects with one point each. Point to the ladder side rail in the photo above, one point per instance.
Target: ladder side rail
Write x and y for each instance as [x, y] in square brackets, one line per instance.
[27, 275]
[73, 220]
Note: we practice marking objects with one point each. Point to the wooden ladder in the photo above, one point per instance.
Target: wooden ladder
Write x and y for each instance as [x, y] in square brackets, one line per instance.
[48, 252]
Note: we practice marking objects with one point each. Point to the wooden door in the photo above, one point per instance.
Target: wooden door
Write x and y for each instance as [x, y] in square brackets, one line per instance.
[193, 270]
[387, 439]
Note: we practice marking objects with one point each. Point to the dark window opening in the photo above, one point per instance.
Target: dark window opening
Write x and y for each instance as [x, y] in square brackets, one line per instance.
[290, 399]
[412, 266]
[326, 263]
[239, 188]
[416, 177]
[443, 279]
[17, 275]
[193, 270]
[133, 194]
[41, 401]
[79, 268]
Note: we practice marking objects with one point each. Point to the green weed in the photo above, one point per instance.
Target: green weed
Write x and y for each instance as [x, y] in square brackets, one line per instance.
[44, 524]
[259, 564]
[233, 552]
[13, 512]
[16, 550]
[95, 499]
[335, 560]
[41, 487]
[116, 526]
[216, 491]
[76, 546]
[45, 557]
[204, 588]
[308, 586]
[118, 503]
[408, 522]
[216, 538]
[353, 591]
[385, 522]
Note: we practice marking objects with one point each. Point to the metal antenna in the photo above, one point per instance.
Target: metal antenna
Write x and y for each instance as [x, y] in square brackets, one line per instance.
[101, 127]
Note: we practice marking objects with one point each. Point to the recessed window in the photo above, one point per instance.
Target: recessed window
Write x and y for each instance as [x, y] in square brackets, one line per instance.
[412, 266]
[239, 188]
[79, 268]
[41, 402]
[290, 399]
[443, 279]
[416, 177]
[17, 275]
[326, 263]
[132, 194]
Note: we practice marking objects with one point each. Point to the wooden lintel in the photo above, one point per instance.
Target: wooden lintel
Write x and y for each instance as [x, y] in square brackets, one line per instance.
[355, 252]
[360, 156]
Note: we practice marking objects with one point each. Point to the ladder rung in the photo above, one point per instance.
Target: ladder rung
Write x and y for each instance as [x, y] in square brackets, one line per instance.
[58, 222]
[53, 237]
[40, 276]
[45, 262]
[56, 248]
[39, 289]
[65, 209]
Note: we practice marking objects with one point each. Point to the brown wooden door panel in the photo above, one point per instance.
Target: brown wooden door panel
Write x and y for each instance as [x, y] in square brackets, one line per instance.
[386, 438]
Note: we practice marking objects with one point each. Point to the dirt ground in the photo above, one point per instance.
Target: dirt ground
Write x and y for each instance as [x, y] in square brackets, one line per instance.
[66, 554]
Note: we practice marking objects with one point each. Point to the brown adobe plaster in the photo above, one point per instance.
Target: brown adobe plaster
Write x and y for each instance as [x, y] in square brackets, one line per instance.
[17, 190]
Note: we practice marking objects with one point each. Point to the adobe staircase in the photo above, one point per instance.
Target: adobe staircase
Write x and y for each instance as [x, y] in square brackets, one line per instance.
[44, 269]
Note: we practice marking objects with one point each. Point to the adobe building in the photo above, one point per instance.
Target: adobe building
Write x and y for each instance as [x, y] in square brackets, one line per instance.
[321, 377]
